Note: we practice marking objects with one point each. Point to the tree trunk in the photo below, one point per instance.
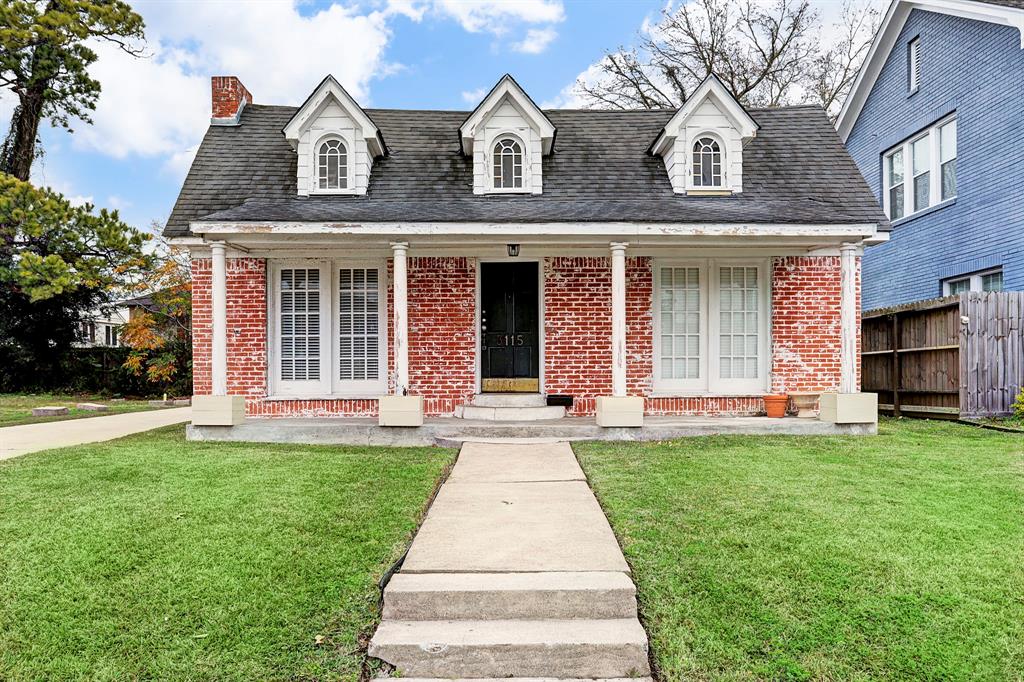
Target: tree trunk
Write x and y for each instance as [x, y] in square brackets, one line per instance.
[21, 147]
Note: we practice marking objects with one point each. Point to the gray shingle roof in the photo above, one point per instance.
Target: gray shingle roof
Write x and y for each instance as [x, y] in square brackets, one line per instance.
[795, 171]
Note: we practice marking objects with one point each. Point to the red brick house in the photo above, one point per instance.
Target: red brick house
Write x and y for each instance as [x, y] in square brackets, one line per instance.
[620, 262]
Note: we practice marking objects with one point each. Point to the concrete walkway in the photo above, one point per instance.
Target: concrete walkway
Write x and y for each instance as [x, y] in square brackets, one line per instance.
[21, 440]
[516, 573]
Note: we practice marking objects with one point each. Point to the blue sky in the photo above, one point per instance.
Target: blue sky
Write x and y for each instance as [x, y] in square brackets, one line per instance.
[440, 54]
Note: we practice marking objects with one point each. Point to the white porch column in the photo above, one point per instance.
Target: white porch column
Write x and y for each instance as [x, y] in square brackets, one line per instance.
[618, 319]
[848, 318]
[220, 318]
[401, 316]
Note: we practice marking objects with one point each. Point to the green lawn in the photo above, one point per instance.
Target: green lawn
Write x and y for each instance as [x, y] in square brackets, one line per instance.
[17, 408]
[894, 557]
[153, 558]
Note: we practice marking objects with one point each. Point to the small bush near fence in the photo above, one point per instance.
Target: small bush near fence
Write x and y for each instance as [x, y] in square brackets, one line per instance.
[90, 370]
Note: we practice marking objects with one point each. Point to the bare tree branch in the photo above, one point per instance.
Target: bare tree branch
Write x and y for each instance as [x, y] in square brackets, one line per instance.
[767, 54]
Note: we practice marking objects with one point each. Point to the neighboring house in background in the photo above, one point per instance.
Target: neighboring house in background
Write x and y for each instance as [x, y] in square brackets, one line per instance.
[102, 327]
[686, 262]
[935, 121]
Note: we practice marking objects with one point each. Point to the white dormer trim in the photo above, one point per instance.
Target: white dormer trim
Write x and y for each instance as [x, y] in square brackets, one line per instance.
[711, 111]
[889, 31]
[331, 112]
[507, 90]
[507, 111]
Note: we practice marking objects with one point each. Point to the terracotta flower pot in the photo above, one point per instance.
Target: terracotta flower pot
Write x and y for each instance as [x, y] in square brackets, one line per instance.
[775, 405]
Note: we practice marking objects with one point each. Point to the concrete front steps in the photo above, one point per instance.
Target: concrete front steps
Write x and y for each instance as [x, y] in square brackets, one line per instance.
[509, 407]
[480, 626]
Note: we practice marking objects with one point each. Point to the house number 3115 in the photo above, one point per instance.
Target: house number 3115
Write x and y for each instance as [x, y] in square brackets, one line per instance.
[510, 340]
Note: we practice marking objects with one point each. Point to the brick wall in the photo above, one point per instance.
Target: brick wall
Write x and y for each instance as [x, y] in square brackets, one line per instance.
[972, 68]
[246, 326]
[577, 335]
[442, 332]
[577, 328]
[806, 324]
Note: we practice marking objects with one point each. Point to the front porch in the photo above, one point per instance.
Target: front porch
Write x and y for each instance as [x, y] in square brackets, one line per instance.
[677, 321]
[447, 431]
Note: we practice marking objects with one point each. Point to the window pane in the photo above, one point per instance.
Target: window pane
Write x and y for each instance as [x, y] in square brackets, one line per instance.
[922, 191]
[707, 163]
[358, 324]
[949, 180]
[993, 281]
[299, 323]
[896, 202]
[895, 168]
[738, 322]
[919, 151]
[958, 286]
[947, 142]
[680, 323]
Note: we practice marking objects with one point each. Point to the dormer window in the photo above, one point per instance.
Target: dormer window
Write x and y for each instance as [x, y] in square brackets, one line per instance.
[707, 163]
[508, 164]
[702, 144]
[507, 136]
[335, 142]
[332, 165]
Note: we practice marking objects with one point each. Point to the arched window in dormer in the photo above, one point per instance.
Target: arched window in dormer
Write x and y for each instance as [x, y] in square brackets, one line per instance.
[332, 165]
[707, 163]
[508, 164]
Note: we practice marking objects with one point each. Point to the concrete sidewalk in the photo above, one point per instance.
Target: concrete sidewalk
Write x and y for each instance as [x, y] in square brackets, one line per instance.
[21, 440]
[515, 573]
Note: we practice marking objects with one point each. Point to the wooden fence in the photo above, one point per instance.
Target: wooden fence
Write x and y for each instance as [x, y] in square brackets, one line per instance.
[953, 357]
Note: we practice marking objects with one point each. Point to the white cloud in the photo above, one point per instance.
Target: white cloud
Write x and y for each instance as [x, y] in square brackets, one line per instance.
[118, 202]
[473, 96]
[570, 96]
[536, 40]
[494, 16]
[160, 105]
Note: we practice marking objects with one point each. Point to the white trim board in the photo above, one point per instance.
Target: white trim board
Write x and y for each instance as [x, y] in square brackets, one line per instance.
[890, 29]
[614, 230]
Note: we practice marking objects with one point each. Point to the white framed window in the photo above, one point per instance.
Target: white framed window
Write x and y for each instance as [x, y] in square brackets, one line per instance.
[328, 328]
[984, 280]
[507, 164]
[913, 65]
[921, 171]
[331, 165]
[707, 162]
[711, 327]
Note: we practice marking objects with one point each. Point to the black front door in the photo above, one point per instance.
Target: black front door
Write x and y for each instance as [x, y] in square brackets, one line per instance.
[510, 353]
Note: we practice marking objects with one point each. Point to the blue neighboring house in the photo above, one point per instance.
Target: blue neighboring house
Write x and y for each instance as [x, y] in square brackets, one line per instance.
[935, 121]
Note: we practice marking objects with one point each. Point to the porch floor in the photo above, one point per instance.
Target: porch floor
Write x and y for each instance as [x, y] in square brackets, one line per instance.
[450, 431]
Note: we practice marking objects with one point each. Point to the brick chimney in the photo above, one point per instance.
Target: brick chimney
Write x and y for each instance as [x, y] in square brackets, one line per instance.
[229, 98]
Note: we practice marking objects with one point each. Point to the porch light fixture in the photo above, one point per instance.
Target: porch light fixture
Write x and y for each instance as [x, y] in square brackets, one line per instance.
[513, 250]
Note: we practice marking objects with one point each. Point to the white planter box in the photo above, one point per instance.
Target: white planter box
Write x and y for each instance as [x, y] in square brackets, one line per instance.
[848, 408]
[400, 410]
[218, 410]
[620, 411]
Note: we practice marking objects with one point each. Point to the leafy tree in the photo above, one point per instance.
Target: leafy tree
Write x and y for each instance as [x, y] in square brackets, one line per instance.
[57, 261]
[767, 54]
[44, 60]
[159, 330]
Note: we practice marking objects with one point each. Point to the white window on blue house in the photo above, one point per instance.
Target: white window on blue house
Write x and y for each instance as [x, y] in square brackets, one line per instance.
[920, 172]
[986, 280]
